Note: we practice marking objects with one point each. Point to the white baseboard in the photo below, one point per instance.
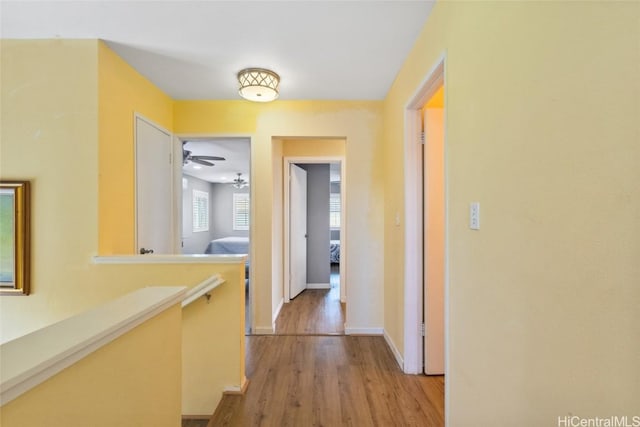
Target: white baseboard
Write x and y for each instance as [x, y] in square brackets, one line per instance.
[277, 313]
[394, 350]
[237, 389]
[264, 330]
[362, 331]
[318, 285]
[270, 330]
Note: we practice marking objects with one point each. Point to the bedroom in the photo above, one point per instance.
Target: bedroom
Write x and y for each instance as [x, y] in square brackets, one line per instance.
[215, 198]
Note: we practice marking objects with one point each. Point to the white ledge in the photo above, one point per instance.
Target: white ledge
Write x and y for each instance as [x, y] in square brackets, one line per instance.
[202, 289]
[170, 259]
[30, 360]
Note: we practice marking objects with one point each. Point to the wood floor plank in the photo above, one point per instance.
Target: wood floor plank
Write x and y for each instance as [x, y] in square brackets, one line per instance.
[310, 374]
[314, 312]
[330, 381]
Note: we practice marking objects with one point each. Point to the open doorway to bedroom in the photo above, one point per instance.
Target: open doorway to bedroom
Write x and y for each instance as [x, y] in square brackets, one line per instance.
[216, 200]
[314, 247]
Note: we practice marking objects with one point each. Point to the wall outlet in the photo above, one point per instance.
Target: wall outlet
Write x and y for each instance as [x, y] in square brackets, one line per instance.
[474, 216]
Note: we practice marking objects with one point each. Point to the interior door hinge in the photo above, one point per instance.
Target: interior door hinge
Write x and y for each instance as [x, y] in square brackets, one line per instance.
[422, 137]
[422, 330]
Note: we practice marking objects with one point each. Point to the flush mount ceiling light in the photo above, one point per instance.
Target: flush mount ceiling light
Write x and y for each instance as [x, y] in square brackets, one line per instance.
[258, 84]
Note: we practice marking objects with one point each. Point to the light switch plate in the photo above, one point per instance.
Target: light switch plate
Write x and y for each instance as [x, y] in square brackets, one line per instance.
[474, 216]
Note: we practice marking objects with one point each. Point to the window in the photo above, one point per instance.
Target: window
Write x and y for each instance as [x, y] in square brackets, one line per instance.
[200, 211]
[240, 211]
[334, 210]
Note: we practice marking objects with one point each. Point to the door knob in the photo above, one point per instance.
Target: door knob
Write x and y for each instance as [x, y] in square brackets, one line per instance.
[144, 251]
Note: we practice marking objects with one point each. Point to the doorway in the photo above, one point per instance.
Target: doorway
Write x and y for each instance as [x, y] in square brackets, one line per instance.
[313, 247]
[216, 200]
[426, 253]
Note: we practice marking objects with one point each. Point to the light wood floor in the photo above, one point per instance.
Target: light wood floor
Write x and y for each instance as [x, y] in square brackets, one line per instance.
[313, 312]
[330, 381]
[310, 374]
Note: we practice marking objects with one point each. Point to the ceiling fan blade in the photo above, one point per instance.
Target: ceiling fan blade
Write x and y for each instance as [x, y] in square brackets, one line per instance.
[201, 162]
[208, 158]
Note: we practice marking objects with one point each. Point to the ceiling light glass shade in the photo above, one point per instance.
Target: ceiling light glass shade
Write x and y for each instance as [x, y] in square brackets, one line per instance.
[258, 84]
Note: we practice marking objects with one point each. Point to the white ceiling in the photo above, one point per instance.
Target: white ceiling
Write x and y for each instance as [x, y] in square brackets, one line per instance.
[236, 152]
[193, 49]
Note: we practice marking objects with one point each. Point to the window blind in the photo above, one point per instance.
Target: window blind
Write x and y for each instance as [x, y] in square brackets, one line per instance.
[200, 211]
[240, 211]
[334, 210]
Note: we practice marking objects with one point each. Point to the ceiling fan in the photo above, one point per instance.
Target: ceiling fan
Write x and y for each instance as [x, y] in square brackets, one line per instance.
[240, 182]
[201, 160]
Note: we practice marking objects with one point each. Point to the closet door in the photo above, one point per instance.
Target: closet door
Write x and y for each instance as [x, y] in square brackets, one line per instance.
[154, 222]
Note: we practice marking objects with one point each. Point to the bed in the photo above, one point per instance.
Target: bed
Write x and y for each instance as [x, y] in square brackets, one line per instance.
[334, 251]
[228, 245]
[231, 246]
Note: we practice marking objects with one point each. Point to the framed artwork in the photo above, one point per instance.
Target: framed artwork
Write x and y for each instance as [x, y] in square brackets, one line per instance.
[14, 237]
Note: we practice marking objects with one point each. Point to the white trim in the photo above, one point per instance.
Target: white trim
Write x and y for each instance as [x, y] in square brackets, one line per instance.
[264, 330]
[413, 295]
[318, 285]
[286, 173]
[270, 330]
[170, 259]
[394, 350]
[362, 331]
[235, 389]
[33, 358]
[203, 288]
[276, 313]
[413, 247]
[177, 192]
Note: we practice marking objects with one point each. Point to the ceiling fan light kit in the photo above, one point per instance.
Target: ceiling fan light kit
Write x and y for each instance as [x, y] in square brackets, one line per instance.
[239, 182]
[258, 84]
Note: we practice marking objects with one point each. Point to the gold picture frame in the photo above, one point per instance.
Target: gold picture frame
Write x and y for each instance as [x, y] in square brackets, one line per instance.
[14, 237]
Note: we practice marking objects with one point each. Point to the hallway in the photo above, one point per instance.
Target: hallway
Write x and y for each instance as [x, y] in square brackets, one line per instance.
[330, 381]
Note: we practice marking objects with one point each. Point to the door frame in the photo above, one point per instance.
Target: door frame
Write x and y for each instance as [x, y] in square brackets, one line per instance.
[286, 175]
[414, 234]
[175, 229]
[177, 183]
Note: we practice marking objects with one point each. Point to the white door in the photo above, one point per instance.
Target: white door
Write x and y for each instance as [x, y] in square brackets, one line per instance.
[434, 238]
[154, 229]
[298, 231]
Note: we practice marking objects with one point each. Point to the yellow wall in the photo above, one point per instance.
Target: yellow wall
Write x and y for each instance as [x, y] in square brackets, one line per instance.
[213, 344]
[50, 134]
[313, 148]
[542, 107]
[54, 128]
[122, 91]
[132, 381]
[359, 123]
